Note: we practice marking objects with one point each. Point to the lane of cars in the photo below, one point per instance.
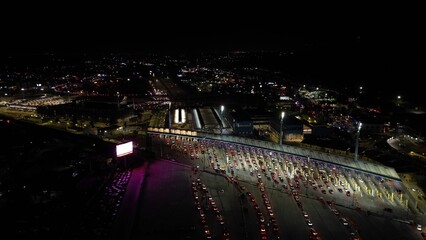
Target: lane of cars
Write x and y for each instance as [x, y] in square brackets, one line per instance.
[297, 176]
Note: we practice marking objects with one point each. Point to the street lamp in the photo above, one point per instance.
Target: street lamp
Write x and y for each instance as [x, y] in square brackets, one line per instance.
[170, 116]
[221, 118]
[357, 141]
[398, 100]
[118, 100]
[281, 127]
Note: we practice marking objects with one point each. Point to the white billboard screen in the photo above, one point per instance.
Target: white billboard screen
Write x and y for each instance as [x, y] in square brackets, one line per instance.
[124, 149]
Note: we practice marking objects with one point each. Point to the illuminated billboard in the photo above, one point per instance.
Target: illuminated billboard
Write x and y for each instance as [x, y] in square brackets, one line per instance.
[124, 149]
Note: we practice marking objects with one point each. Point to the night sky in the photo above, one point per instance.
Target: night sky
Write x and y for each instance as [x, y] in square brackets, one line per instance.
[204, 28]
[377, 49]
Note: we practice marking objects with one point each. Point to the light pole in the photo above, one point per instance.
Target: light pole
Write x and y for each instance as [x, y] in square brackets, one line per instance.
[118, 100]
[357, 141]
[221, 118]
[398, 100]
[281, 127]
[170, 116]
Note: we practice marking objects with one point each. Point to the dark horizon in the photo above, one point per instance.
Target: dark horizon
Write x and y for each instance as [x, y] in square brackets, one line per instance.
[382, 54]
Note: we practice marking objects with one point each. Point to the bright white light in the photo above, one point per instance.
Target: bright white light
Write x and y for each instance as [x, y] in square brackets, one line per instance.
[399, 97]
[359, 126]
[282, 115]
[182, 113]
[176, 115]
[222, 108]
[124, 149]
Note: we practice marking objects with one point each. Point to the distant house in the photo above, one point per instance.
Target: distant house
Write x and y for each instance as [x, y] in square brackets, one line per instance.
[323, 131]
[373, 127]
[242, 124]
[261, 118]
[292, 128]
[90, 108]
[371, 122]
